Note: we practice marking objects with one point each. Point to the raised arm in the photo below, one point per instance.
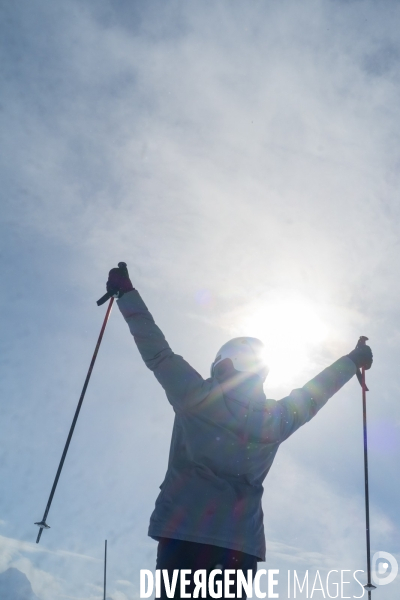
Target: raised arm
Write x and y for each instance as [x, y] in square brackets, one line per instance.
[303, 404]
[183, 385]
[275, 421]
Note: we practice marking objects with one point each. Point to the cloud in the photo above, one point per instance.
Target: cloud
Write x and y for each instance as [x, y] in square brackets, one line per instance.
[218, 182]
[15, 546]
[119, 596]
[248, 150]
[45, 585]
[323, 526]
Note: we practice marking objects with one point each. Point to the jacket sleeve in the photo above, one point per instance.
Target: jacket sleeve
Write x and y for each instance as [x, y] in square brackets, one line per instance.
[303, 404]
[276, 420]
[184, 387]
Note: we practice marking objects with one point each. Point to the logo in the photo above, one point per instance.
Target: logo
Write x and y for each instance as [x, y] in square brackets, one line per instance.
[384, 568]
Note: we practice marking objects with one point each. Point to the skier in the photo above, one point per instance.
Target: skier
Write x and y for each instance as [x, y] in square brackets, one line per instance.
[226, 434]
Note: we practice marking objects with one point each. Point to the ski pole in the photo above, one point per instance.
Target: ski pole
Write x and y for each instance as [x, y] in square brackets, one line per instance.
[369, 586]
[105, 570]
[42, 524]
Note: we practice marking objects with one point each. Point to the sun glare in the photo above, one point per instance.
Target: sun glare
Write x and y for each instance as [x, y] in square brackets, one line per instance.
[291, 329]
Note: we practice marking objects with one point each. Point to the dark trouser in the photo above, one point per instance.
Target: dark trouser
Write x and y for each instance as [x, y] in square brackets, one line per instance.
[177, 554]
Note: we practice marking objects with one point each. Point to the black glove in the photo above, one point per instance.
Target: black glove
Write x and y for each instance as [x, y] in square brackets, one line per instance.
[118, 281]
[362, 354]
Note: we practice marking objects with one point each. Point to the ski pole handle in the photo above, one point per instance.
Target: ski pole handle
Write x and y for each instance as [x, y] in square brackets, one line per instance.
[122, 267]
[104, 299]
[361, 375]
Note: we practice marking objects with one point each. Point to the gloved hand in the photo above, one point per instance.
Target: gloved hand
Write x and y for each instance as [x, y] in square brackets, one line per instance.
[362, 354]
[118, 281]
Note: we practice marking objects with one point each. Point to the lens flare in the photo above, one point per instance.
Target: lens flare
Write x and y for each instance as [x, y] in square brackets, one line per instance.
[291, 329]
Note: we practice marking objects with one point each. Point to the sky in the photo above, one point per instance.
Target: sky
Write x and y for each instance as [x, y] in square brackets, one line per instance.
[243, 159]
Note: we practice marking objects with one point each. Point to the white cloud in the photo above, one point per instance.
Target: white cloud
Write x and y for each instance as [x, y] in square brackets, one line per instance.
[119, 596]
[45, 585]
[244, 149]
[15, 546]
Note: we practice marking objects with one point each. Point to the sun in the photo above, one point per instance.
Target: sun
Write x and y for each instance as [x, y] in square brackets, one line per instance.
[291, 328]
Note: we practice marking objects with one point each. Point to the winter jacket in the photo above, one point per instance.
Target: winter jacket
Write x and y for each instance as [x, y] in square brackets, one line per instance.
[223, 442]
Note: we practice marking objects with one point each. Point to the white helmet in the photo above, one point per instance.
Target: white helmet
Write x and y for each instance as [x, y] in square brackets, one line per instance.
[246, 354]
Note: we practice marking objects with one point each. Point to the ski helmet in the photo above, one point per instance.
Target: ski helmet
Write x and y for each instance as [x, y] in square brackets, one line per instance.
[246, 354]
